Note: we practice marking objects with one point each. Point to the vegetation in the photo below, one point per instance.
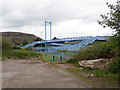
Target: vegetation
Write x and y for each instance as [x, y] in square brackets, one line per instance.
[112, 19]
[97, 73]
[19, 54]
[7, 43]
[101, 50]
[10, 51]
[114, 67]
[55, 38]
[98, 78]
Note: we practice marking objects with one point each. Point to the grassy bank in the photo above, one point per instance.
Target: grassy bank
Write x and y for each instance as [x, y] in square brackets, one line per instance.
[10, 50]
[95, 72]
[19, 54]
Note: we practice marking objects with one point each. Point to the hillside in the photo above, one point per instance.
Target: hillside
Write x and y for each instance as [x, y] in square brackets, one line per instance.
[19, 38]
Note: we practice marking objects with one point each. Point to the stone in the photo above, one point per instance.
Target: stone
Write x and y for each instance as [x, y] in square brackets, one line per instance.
[95, 64]
[92, 75]
[89, 75]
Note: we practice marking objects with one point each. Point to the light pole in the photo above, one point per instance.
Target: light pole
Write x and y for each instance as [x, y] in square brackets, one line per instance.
[50, 30]
[50, 23]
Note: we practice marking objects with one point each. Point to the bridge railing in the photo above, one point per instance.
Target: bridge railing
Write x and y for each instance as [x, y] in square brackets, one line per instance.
[85, 41]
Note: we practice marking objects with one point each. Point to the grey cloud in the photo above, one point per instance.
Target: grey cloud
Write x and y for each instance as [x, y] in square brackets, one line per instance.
[20, 14]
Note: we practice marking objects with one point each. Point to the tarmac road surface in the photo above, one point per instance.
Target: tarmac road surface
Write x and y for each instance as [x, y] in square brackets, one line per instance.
[36, 74]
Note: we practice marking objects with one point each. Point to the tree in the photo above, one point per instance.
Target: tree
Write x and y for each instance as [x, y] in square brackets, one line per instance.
[112, 19]
[7, 43]
[55, 38]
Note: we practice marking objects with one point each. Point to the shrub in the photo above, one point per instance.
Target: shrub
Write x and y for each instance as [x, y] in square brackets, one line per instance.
[7, 43]
[101, 50]
[115, 41]
[72, 60]
[114, 66]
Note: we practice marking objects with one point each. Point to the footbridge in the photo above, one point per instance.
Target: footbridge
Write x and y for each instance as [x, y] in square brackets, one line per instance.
[69, 44]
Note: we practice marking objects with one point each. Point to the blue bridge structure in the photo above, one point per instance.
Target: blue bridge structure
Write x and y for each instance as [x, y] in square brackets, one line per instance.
[69, 44]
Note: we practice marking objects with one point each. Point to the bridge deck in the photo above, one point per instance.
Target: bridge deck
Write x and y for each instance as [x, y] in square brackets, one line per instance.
[84, 42]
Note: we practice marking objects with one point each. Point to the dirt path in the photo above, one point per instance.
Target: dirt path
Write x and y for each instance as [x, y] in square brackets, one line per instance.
[35, 74]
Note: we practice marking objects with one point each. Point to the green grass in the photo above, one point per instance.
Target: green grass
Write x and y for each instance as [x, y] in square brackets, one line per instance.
[49, 57]
[101, 73]
[100, 78]
[62, 62]
[0, 57]
[19, 54]
[74, 70]
[98, 73]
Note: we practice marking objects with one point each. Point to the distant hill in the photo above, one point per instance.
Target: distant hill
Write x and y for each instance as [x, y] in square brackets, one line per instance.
[20, 38]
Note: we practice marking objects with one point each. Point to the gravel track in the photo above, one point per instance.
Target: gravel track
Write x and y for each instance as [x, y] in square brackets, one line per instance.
[36, 74]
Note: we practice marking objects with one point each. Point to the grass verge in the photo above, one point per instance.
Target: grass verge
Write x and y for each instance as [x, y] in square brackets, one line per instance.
[19, 54]
[98, 78]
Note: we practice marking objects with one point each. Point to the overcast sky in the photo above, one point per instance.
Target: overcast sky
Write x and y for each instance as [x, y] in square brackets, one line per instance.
[70, 18]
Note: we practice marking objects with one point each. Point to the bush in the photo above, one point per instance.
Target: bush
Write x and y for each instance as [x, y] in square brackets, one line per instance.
[7, 43]
[101, 50]
[115, 41]
[114, 66]
[72, 60]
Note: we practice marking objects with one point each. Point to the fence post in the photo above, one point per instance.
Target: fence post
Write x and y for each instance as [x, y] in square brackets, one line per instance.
[53, 58]
[60, 58]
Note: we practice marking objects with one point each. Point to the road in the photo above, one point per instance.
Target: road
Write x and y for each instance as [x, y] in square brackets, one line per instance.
[36, 74]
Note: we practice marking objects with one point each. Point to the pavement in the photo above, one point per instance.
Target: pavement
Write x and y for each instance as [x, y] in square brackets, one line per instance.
[36, 74]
